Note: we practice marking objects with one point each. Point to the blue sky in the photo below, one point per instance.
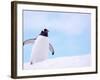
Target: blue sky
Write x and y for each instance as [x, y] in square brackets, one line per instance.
[69, 33]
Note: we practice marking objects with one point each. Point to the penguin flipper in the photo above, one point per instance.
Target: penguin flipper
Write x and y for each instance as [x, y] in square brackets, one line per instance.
[51, 49]
[29, 41]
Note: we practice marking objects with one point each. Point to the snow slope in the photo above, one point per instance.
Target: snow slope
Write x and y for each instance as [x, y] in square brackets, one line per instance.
[61, 62]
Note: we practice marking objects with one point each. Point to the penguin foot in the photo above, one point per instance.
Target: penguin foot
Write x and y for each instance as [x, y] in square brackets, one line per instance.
[31, 63]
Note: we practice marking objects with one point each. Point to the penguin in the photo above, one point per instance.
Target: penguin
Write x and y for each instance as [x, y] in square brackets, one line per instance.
[40, 47]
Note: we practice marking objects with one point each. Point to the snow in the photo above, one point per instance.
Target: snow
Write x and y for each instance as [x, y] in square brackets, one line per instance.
[61, 62]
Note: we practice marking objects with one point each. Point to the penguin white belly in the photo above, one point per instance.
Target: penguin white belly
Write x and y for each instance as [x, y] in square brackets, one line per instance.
[40, 49]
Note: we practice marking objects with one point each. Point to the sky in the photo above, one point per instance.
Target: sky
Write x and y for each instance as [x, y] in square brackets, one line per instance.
[69, 32]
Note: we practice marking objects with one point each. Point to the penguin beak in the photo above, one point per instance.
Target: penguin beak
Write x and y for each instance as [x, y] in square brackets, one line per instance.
[47, 31]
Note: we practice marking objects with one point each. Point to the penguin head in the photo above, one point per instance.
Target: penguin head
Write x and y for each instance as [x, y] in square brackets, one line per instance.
[44, 32]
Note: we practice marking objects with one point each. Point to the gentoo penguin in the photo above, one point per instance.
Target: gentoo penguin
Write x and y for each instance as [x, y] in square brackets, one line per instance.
[40, 48]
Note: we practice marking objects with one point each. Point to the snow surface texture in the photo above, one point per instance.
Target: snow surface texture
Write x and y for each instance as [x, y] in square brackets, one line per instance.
[61, 62]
